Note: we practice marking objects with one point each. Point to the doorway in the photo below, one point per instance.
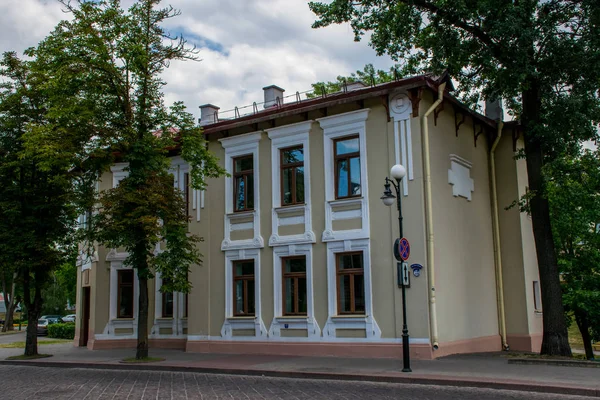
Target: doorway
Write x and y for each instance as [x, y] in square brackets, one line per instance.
[85, 317]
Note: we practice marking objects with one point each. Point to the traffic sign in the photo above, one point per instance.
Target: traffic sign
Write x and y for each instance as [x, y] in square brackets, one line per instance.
[404, 249]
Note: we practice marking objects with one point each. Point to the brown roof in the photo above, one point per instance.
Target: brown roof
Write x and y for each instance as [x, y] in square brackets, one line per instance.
[429, 81]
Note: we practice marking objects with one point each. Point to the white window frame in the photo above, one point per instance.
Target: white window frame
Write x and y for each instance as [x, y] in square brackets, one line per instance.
[232, 322]
[118, 173]
[116, 264]
[280, 321]
[336, 321]
[177, 323]
[339, 126]
[238, 146]
[281, 138]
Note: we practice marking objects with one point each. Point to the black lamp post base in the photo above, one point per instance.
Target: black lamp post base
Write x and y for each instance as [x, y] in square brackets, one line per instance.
[406, 370]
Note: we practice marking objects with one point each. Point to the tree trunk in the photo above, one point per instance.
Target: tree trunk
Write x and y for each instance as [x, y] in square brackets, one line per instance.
[10, 304]
[33, 313]
[142, 337]
[584, 327]
[555, 340]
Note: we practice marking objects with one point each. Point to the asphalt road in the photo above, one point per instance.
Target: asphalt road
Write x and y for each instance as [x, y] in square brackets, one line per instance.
[60, 383]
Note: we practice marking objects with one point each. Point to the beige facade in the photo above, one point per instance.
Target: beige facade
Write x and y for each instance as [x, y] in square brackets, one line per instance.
[338, 312]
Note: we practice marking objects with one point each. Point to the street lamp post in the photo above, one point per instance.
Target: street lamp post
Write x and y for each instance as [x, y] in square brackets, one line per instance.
[398, 172]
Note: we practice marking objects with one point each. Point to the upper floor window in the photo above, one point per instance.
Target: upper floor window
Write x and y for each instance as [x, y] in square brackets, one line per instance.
[186, 192]
[294, 285]
[125, 294]
[292, 176]
[347, 167]
[243, 288]
[350, 283]
[243, 183]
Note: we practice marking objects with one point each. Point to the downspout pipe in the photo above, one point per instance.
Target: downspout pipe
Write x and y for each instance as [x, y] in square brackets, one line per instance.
[429, 218]
[497, 245]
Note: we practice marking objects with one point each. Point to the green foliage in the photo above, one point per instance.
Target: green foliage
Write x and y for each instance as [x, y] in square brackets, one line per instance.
[368, 76]
[574, 194]
[61, 331]
[55, 300]
[37, 198]
[104, 77]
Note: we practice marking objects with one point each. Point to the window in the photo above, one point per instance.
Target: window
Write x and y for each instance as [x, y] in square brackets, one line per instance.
[350, 283]
[537, 296]
[186, 192]
[125, 294]
[243, 288]
[347, 167]
[292, 176]
[167, 302]
[243, 183]
[294, 285]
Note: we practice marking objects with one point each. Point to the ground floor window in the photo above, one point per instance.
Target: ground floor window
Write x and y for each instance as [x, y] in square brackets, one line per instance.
[294, 285]
[125, 294]
[167, 302]
[350, 283]
[243, 288]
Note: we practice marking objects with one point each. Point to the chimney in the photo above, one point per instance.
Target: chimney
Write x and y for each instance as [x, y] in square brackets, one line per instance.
[493, 109]
[272, 93]
[209, 114]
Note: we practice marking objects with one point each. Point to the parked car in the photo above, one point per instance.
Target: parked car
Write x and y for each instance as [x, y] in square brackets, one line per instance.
[43, 323]
[69, 318]
[51, 316]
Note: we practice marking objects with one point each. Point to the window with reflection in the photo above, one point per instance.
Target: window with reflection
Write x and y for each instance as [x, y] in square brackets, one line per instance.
[294, 285]
[125, 293]
[243, 288]
[347, 167]
[350, 283]
[292, 176]
[243, 183]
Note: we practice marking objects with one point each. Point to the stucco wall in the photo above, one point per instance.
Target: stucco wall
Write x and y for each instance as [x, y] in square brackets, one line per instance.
[464, 263]
[387, 298]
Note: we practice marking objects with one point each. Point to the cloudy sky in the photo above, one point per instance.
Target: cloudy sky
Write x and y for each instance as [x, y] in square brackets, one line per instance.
[244, 46]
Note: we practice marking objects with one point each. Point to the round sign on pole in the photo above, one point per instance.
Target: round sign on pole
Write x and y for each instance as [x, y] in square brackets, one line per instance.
[403, 249]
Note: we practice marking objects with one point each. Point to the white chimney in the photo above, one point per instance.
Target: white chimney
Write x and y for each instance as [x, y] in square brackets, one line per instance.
[272, 93]
[209, 114]
[493, 109]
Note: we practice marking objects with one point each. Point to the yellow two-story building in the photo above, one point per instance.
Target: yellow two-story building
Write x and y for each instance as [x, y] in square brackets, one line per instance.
[298, 247]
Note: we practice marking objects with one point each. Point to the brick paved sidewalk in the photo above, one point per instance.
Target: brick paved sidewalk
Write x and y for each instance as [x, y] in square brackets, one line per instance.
[479, 370]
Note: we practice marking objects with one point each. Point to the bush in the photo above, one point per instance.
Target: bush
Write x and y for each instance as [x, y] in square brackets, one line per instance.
[61, 331]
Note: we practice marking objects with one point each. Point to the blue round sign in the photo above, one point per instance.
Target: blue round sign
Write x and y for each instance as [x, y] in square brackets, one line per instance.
[404, 249]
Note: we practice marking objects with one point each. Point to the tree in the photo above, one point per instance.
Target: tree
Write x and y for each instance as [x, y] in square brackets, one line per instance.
[574, 196]
[105, 69]
[37, 209]
[8, 282]
[368, 76]
[541, 57]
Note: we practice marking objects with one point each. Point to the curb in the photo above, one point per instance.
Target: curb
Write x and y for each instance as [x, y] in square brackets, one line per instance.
[438, 380]
[559, 363]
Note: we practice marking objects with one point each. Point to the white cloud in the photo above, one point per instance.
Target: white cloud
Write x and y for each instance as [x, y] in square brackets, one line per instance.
[244, 46]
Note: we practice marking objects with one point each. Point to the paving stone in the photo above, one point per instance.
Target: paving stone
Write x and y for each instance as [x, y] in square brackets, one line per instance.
[22, 382]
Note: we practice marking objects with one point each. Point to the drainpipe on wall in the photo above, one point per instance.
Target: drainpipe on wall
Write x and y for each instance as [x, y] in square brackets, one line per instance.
[429, 218]
[496, 234]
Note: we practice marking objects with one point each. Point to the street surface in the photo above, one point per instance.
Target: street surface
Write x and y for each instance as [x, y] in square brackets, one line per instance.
[62, 383]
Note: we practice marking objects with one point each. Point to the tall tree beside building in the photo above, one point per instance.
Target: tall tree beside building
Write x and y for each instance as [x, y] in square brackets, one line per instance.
[105, 65]
[37, 200]
[542, 57]
[574, 195]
